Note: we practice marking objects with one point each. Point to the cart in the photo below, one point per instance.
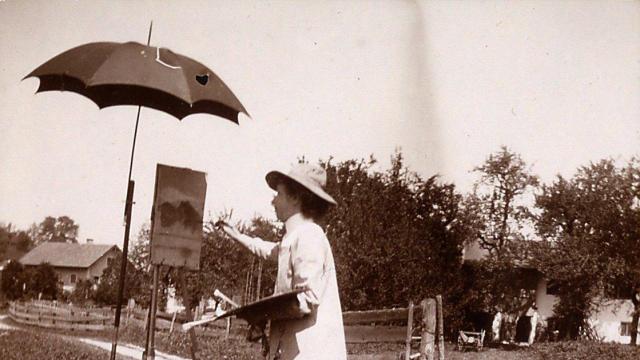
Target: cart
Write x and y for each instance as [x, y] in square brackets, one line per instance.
[470, 340]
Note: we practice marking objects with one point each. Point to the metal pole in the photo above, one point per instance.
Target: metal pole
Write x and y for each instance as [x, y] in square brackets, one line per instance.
[123, 267]
[127, 228]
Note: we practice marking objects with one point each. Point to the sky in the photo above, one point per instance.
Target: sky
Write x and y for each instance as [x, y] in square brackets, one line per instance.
[447, 82]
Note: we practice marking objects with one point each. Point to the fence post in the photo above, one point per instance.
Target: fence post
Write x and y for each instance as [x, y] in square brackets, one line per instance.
[173, 320]
[440, 327]
[407, 345]
[427, 342]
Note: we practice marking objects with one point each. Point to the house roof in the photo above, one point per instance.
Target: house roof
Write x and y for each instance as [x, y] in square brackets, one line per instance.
[66, 255]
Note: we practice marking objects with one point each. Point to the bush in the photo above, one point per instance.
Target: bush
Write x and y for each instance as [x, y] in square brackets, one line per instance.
[12, 279]
[83, 293]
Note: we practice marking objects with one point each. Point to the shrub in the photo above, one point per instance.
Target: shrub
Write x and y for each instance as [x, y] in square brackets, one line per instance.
[12, 280]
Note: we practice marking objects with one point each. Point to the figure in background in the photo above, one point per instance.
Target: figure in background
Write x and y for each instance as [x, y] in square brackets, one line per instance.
[495, 326]
[534, 316]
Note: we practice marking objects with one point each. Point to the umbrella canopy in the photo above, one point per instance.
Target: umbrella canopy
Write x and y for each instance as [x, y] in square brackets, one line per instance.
[130, 73]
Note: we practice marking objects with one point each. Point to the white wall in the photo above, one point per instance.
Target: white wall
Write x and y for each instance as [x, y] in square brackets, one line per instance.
[544, 301]
[606, 321]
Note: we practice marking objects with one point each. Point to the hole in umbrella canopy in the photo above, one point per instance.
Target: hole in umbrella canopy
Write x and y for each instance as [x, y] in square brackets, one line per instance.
[202, 79]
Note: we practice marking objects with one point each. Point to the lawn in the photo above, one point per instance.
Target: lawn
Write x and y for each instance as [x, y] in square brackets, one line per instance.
[34, 344]
[30, 345]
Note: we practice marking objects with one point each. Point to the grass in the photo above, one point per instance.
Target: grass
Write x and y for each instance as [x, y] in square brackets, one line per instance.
[32, 343]
[211, 344]
[29, 345]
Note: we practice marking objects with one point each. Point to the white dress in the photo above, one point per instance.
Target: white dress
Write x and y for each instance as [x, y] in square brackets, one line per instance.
[305, 260]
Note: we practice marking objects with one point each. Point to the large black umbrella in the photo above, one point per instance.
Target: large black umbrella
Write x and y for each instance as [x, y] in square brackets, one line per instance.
[130, 73]
[134, 74]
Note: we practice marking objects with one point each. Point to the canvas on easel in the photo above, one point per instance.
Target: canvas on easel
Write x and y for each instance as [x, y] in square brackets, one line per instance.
[178, 207]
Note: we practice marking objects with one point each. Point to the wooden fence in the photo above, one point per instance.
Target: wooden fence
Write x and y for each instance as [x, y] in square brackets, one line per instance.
[419, 328]
[52, 315]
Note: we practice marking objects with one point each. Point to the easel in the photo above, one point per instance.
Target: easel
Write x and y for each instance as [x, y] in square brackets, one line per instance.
[149, 351]
[168, 248]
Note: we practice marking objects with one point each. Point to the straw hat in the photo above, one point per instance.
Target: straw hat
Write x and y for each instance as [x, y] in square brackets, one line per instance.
[313, 178]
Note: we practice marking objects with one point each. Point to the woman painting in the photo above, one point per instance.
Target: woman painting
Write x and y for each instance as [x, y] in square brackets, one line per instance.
[305, 261]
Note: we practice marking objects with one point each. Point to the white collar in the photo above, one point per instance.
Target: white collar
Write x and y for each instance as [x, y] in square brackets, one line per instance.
[294, 221]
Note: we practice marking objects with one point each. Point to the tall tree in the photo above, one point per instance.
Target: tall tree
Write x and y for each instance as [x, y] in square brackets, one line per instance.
[395, 236]
[60, 229]
[499, 199]
[592, 227]
[498, 212]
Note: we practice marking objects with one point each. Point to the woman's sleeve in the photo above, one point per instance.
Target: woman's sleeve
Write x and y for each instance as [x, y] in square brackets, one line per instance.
[308, 258]
[265, 249]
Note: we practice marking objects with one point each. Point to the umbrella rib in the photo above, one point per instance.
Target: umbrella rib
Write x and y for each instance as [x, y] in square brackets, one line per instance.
[185, 79]
[164, 63]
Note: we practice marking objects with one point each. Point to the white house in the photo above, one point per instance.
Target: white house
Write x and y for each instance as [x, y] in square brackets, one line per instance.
[612, 322]
[72, 262]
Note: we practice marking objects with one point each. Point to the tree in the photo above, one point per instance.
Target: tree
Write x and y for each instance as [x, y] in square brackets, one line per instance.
[395, 236]
[591, 225]
[83, 292]
[41, 281]
[224, 264]
[5, 236]
[107, 291]
[497, 198]
[139, 252]
[499, 215]
[13, 280]
[22, 241]
[13, 243]
[60, 229]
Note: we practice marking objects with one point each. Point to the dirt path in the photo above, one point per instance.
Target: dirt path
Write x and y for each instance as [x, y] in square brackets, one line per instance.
[129, 350]
[125, 350]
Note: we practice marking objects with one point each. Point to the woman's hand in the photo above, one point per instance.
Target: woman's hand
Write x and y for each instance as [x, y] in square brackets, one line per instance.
[228, 229]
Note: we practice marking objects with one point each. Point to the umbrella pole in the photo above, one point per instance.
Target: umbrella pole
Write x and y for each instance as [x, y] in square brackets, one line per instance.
[125, 245]
[127, 228]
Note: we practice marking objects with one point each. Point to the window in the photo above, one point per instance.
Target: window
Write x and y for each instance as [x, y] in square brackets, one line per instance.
[109, 261]
[73, 278]
[96, 279]
[625, 329]
[553, 288]
[618, 290]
